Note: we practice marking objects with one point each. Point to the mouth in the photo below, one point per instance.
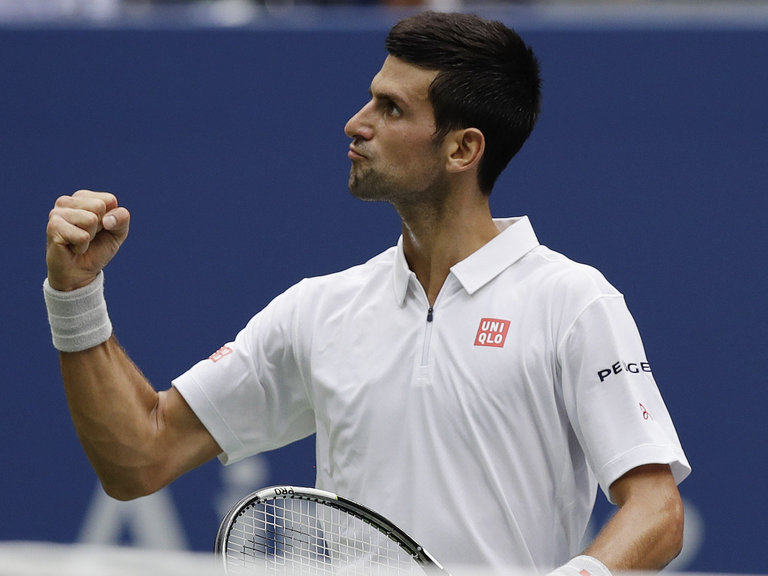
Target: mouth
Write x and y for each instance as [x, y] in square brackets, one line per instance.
[355, 154]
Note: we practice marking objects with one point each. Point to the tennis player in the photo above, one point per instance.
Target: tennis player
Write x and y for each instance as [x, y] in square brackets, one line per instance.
[468, 383]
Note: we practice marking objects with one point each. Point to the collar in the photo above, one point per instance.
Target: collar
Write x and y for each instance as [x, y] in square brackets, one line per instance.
[516, 239]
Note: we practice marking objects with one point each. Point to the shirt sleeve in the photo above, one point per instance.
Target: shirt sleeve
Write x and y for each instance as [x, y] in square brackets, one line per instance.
[250, 394]
[611, 396]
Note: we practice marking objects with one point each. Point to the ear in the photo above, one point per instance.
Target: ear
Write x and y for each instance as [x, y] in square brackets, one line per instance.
[465, 148]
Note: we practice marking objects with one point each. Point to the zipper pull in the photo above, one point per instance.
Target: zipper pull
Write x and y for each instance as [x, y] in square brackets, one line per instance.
[429, 314]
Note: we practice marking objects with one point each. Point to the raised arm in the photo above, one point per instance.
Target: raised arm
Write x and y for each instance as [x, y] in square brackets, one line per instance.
[138, 440]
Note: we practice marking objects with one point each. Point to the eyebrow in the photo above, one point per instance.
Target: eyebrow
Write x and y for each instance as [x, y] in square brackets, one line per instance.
[386, 95]
[387, 92]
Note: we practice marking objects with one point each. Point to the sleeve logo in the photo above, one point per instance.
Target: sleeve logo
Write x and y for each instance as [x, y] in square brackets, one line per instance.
[620, 366]
[492, 332]
[220, 353]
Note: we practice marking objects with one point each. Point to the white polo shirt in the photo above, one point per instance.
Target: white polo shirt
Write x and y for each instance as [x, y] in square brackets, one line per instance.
[480, 427]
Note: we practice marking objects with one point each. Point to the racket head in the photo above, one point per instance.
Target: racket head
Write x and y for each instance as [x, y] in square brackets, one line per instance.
[296, 530]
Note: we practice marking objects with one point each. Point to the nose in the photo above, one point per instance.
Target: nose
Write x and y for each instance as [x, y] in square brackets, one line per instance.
[359, 125]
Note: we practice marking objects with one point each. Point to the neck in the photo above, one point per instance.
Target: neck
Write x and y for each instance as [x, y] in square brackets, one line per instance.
[436, 239]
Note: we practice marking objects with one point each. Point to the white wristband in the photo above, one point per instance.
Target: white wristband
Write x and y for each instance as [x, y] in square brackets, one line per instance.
[79, 318]
[582, 566]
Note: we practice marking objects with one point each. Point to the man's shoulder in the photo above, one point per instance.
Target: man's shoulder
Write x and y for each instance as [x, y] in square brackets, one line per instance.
[556, 272]
[373, 270]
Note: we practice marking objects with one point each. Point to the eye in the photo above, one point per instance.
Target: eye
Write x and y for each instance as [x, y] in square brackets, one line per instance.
[392, 109]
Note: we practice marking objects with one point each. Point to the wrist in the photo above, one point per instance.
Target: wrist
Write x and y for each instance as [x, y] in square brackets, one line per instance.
[582, 566]
[78, 318]
[64, 281]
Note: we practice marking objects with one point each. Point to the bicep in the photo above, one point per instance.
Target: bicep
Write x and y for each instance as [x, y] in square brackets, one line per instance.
[650, 482]
[646, 533]
[185, 440]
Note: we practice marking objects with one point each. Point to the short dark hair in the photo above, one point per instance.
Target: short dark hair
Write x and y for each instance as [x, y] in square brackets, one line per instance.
[488, 79]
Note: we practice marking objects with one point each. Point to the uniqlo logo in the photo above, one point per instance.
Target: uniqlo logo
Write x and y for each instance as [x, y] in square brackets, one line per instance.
[220, 353]
[492, 332]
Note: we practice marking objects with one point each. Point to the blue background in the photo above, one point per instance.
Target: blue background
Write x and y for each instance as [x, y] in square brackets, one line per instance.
[650, 162]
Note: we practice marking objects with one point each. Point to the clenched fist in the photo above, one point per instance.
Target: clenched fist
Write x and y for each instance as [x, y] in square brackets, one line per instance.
[84, 233]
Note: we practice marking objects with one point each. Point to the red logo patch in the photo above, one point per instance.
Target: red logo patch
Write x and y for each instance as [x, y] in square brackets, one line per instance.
[220, 353]
[492, 332]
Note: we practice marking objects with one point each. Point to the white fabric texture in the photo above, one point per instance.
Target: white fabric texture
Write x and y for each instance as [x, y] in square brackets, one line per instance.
[482, 428]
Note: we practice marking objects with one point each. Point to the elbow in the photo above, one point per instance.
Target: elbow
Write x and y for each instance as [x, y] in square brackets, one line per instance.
[122, 492]
[125, 487]
[119, 494]
[676, 524]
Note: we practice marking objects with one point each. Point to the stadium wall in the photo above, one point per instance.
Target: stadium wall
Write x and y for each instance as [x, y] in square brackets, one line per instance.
[227, 145]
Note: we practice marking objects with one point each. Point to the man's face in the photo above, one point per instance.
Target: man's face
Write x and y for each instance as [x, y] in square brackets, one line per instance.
[393, 153]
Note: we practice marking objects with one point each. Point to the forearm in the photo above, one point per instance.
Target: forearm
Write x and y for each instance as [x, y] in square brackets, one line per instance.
[114, 411]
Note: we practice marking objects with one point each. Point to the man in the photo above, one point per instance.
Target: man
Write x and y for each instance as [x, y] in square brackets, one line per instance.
[469, 384]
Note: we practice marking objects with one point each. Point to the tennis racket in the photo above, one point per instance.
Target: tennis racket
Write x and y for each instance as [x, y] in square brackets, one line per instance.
[290, 530]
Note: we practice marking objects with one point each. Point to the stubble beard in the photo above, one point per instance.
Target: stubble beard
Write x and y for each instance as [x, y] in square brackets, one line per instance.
[371, 185]
[366, 184]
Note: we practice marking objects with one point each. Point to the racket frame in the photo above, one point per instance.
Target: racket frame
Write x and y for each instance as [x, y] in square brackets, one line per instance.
[413, 548]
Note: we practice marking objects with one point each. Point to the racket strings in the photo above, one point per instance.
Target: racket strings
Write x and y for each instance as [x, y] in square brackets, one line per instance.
[299, 536]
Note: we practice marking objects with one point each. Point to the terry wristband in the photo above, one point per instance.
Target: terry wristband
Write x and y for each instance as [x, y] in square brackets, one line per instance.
[582, 566]
[79, 318]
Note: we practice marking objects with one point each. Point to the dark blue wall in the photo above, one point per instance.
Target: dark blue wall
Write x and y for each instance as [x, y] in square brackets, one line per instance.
[650, 162]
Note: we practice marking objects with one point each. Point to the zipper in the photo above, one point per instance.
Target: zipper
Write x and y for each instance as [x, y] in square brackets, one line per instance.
[422, 376]
[427, 337]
